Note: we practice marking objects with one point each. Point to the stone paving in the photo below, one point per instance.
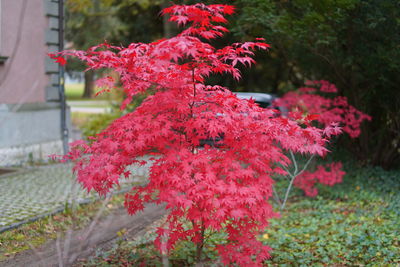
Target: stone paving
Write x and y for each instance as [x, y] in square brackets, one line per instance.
[29, 193]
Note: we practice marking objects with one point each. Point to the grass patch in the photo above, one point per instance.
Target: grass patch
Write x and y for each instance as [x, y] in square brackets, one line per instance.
[92, 124]
[356, 223]
[37, 233]
[80, 119]
[74, 90]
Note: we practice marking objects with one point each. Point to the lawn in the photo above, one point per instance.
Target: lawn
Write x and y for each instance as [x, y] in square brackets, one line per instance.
[356, 223]
[74, 91]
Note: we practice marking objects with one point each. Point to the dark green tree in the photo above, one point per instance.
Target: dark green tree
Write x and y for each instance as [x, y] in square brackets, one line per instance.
[89, 22]
[352, 43]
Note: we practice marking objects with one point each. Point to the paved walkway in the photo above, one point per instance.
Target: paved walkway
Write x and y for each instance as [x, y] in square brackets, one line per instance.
[85, 243]
[29, 193]
[94, 110]
[90, 106]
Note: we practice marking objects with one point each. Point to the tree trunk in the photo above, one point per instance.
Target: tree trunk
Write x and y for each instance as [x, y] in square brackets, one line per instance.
[199, 248]
[89, 84]
[168, 27]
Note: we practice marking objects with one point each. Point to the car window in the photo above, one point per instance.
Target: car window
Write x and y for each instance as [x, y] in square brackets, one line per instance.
[263, 104]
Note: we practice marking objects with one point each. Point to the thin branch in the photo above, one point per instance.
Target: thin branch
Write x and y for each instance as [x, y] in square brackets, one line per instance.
[287, 170]
[86, 235]
[96, 218]
[276, 196]
[295, 174]
[199, 248]
[59, 252]
[164, 251]
[294, 163]
[306, 165]
[194, 84]
[67, 243]
[37, 253]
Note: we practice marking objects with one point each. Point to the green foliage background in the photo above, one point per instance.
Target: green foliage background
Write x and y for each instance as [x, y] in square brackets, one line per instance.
[352, 43]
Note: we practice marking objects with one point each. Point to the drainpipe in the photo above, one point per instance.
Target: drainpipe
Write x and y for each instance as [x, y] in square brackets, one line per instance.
[64, 128]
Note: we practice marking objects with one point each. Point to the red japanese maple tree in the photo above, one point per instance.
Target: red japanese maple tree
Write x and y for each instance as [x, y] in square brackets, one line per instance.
[219, 188]
[319, 102]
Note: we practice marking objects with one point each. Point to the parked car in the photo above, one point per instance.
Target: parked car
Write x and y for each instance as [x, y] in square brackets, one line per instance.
[264, 100]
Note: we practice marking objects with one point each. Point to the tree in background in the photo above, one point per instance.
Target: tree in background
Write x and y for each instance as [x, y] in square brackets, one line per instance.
[89, 22]
[352, 43]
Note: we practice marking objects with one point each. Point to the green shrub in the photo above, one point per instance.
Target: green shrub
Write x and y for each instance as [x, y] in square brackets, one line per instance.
[98, 122]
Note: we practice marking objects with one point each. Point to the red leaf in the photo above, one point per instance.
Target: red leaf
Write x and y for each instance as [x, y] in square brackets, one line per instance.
[58, 59]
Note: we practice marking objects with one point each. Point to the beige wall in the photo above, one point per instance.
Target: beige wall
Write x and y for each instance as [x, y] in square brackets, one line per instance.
[22, 76]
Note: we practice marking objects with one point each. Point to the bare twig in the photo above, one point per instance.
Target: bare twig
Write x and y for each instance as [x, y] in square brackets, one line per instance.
[306, 165]
[59, 252]
[67, 241]
[276, 196]
[67, 244]
[286, 169]
[85, 238]
[37, 253]
[64, 256]
[293, 176]
[164, 253]
[294, 162]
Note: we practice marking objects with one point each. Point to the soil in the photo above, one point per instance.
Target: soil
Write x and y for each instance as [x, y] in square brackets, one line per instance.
[83, 243]
[4, 171]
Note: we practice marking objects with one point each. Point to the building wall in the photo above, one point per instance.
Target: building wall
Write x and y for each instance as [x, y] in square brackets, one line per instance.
[23, 76]
[30, 114]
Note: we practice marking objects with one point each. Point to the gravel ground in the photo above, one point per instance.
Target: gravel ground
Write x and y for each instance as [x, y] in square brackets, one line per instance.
[31, 193]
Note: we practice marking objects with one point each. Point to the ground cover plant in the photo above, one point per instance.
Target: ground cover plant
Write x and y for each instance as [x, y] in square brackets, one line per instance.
[220, 188]
[355, 223]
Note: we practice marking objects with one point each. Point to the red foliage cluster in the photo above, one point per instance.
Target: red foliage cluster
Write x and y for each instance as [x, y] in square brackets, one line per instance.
[225, 188]
[58, 59]
[334, 115]
[328, 110]
[307, 180]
